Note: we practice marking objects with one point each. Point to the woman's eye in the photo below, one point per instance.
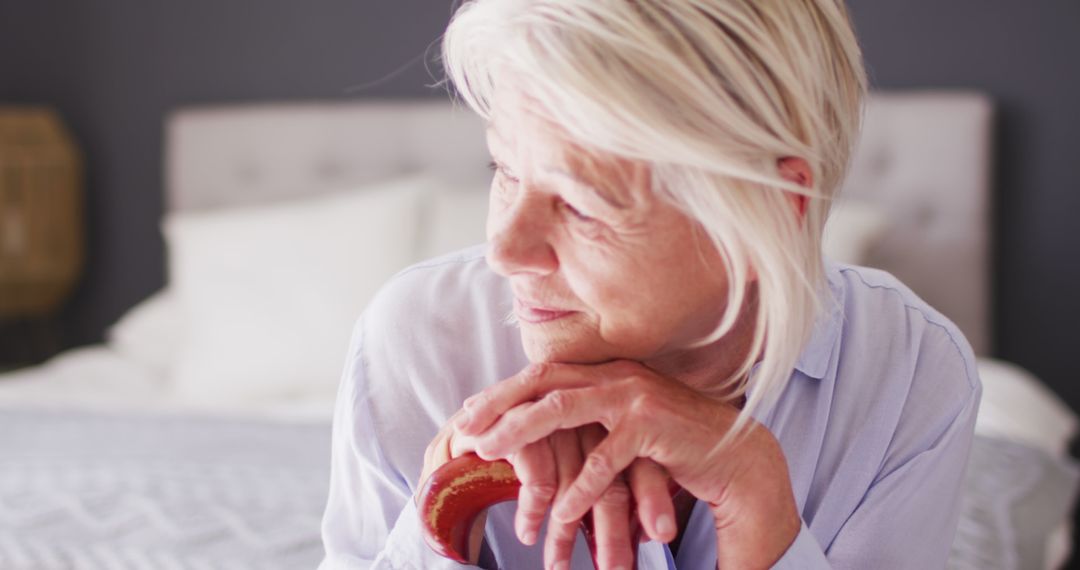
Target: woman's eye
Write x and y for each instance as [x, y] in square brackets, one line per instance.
[577, 213]
[502, 171]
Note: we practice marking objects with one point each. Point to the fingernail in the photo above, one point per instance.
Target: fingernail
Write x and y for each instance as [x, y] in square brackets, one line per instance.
[529, 538]
[561, 565]
[664, 526]
[463, 420]
[620, 568]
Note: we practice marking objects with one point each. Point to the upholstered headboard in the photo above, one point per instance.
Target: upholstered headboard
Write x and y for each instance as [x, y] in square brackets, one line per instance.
[245, 154]
[924, 155]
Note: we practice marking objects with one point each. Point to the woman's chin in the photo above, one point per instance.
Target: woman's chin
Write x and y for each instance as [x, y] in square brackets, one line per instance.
[570, 349]
[573, 346]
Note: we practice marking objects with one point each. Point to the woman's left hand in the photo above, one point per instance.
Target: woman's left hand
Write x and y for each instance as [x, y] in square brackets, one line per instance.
[746, 483]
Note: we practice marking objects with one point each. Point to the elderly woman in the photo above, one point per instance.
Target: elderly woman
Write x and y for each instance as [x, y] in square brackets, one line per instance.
[663, 171]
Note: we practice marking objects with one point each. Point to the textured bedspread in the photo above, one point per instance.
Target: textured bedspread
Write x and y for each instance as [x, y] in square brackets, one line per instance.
[82, 491]
[85, 490]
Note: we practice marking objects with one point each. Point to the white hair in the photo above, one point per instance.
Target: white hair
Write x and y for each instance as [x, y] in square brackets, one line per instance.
[710, 94]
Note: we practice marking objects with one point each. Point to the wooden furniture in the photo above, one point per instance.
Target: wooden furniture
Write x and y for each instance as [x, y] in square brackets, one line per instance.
[41, 227]
[41, 230]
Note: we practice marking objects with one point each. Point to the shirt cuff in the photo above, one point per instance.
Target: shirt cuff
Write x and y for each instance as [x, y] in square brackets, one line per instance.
[406, 550]
[803, 554]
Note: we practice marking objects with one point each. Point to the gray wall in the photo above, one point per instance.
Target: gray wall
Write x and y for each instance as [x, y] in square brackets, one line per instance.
[114, 67]
[1025, 55]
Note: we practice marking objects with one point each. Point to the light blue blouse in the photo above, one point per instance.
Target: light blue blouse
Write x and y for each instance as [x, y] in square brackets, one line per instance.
[876, 423]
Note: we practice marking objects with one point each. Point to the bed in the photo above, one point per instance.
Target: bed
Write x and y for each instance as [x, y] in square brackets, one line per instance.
[197, 435]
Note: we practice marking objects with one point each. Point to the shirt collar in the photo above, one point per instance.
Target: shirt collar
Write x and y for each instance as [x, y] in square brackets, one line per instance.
[816, 355]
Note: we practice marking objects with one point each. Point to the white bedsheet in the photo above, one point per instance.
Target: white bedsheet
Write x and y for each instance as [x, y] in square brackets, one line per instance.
[102, 379]
[1016, 406]
[86, 490]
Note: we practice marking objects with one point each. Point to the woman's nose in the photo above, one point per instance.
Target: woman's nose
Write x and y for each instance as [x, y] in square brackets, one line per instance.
[518, 241]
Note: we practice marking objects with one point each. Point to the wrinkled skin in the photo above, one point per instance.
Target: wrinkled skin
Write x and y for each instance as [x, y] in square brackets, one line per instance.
[613, 286]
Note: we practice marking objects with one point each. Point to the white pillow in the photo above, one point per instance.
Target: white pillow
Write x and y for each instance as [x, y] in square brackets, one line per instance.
[149, 333]
[270, 293]
[1017, 406]
[852, 231]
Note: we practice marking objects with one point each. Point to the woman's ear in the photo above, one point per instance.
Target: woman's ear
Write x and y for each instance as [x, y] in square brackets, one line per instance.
[797, 171]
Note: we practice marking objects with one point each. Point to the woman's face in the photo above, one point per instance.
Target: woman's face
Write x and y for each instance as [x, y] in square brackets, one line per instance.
[601, 268]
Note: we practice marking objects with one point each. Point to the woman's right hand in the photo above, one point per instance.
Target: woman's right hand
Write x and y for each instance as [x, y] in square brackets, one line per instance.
[611, 515]
[546, 468]
[439, 451]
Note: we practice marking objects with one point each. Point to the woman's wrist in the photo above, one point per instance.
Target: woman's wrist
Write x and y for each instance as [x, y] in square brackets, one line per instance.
[755, 542]
[758, 519]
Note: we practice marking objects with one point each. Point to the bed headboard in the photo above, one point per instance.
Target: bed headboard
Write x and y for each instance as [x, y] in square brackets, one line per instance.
[926, 158]
[255, 153]
[923, 155]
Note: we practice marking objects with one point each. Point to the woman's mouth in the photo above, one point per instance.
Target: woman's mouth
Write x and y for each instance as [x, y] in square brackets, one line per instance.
[535, 315]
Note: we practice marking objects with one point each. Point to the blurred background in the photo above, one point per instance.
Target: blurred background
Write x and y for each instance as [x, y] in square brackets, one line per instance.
[114, 69]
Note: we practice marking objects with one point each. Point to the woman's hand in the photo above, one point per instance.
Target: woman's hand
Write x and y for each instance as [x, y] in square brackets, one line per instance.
[613, 513]
[441, 450]
[648, 416]
[546, 467]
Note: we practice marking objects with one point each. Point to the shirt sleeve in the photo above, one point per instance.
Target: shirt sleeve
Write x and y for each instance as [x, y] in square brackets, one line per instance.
[370, 519]
[908, 517]
[803, 554]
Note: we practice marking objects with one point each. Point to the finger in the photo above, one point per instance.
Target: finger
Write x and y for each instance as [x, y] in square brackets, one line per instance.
[589, 437]
[529, 384]
[428, 451]
[611, 524]
[457, 444]
[535, 467]
[558, 409]
[612, 455]
[461, 444]
[612, 541]
[649, 484]
[559, 542]
[436, 453]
